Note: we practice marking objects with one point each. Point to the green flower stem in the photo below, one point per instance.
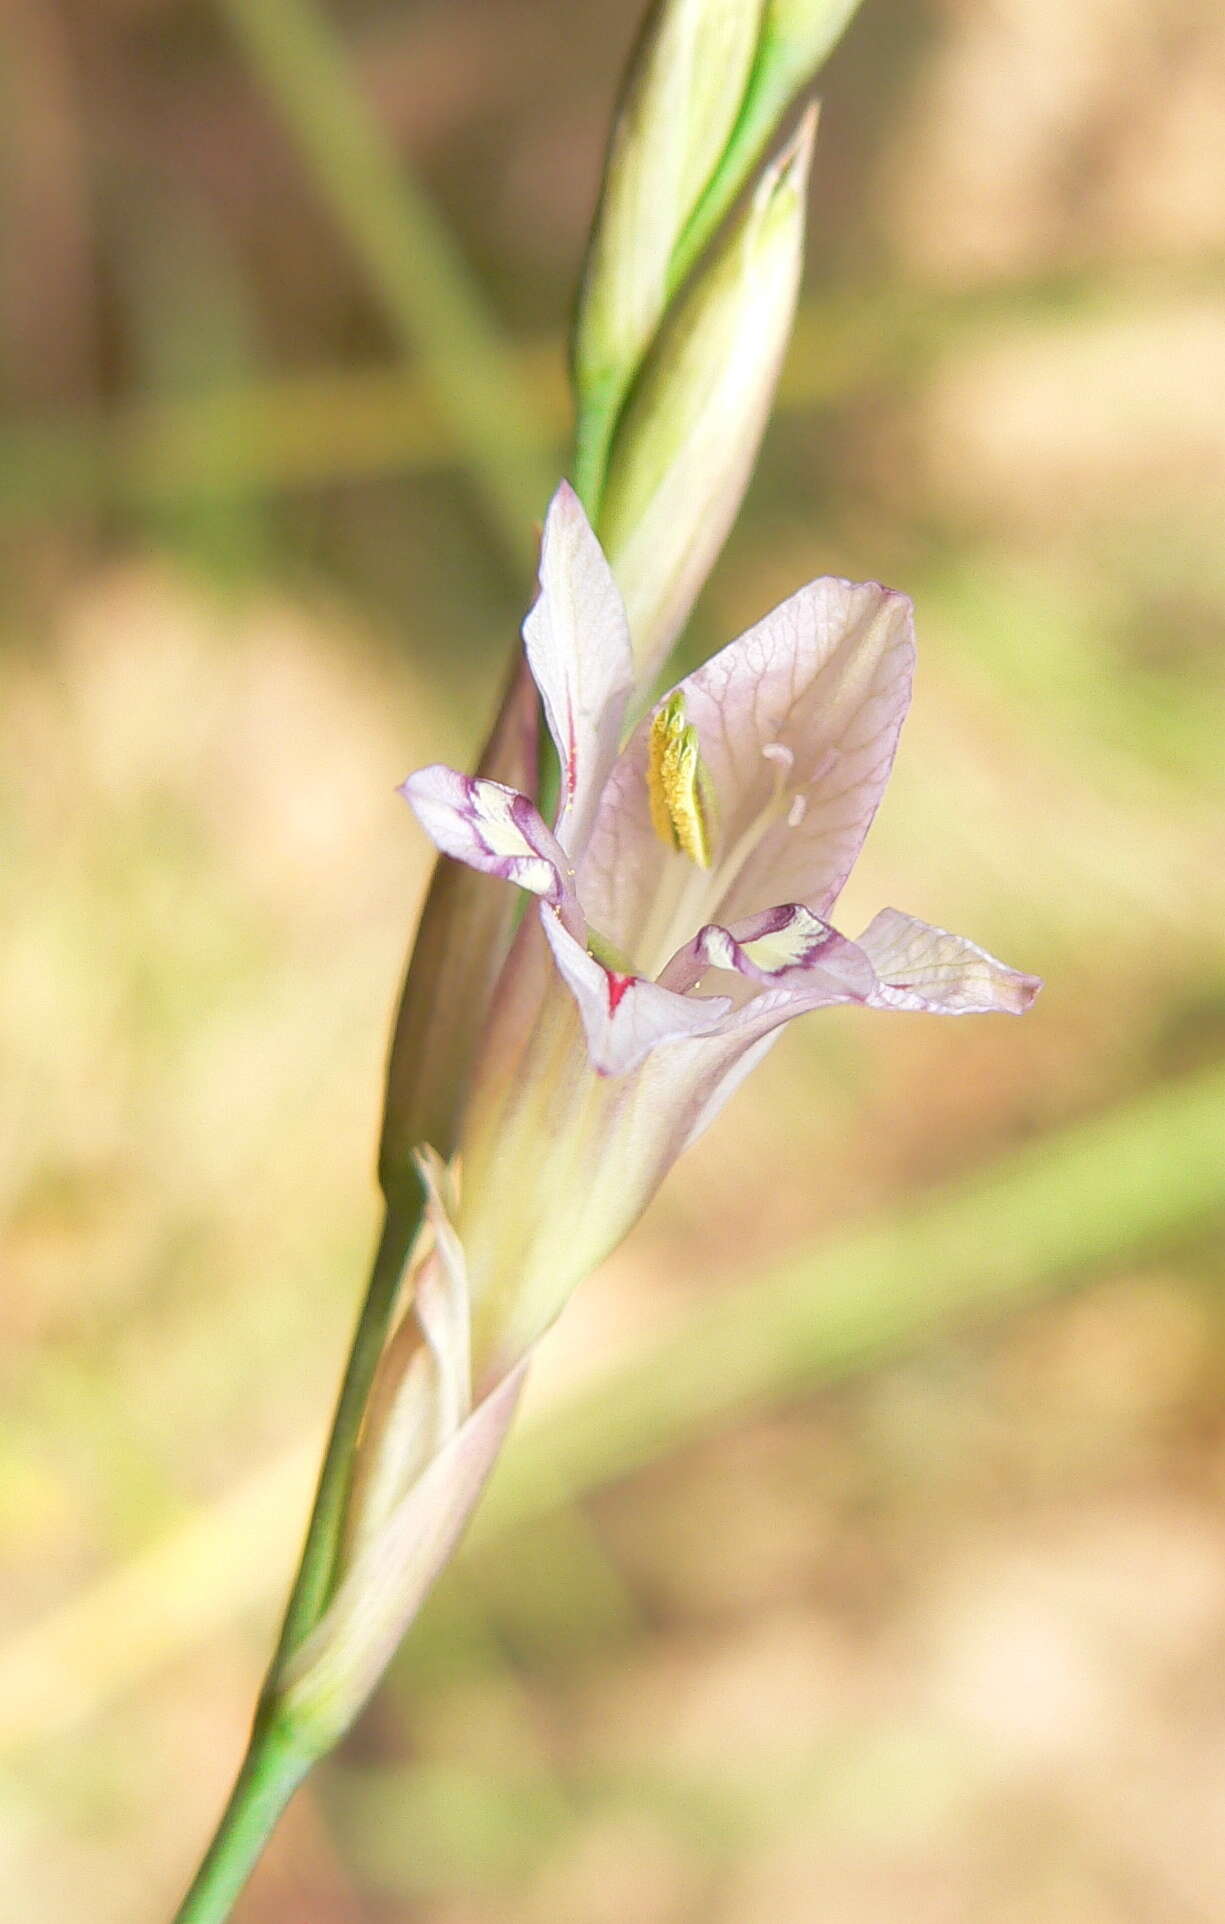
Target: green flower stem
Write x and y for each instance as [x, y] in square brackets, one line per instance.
[278, 1757]
[313, 1583]
[271, 1772]
[598, 413]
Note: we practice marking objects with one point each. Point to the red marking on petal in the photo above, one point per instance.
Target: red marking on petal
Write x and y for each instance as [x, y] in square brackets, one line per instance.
[571, 759]
[617, 986]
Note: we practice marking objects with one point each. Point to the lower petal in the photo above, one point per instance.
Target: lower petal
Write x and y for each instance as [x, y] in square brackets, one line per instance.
[626, 1016]
[924, 968]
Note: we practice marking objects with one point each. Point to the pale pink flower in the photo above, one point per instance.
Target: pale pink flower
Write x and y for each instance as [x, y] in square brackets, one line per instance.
[684, 892]
[687, 879]
[684, 895]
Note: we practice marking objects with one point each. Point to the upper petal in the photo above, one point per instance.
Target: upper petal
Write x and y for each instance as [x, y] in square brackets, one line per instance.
[578, 648]
[625, 1017]
[925, 968]
[798, 722]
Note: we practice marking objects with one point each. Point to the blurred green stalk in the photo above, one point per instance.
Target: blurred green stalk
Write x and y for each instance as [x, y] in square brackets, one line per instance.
[345, 424]
[271, 1772]
[426, 290]
[1101, 1192]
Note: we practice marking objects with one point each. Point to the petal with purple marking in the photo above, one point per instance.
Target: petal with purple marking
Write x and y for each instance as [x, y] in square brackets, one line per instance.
[788, 947]
[489, 827]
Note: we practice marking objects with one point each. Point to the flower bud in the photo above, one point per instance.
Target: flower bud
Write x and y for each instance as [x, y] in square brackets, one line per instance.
[682, 98]
[798, 34]
[464, 934]
[687, 441]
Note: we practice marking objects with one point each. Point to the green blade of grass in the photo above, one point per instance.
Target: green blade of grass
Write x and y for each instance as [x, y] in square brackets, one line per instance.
[1099, 1193]
[429, 296]
[332, 425]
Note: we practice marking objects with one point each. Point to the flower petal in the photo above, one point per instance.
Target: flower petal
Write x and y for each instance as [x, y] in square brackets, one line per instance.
[625, 1017]
[783, 947]
[578, 649]
[921, 967]
[559, 1162]
[797, 723]
[492, 828]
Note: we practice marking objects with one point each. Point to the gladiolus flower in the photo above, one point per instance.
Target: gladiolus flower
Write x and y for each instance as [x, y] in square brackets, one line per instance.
[684, 893]
[686, 882]
[685, 890]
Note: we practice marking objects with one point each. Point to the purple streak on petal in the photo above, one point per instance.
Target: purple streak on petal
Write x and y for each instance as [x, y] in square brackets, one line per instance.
[578, 648]
[494, 829]
[788, 947]
[925, 968]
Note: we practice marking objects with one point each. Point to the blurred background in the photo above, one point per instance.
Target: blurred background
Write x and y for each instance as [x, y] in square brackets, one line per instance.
[861, 1553]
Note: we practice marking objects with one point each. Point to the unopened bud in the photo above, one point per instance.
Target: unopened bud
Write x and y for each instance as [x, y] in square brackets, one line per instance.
[682, 98]
[686, 444]
[798, 34]
[462, 940]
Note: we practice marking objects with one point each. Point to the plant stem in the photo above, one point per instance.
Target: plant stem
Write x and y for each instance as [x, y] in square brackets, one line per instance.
[277, 1760]
[313, 1583]
[271, 1771]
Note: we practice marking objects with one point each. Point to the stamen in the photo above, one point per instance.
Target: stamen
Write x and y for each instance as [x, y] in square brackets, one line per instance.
[682, 809]
[683, 904]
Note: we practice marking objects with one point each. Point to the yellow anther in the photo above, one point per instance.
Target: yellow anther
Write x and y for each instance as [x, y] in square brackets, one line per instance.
[677, 786]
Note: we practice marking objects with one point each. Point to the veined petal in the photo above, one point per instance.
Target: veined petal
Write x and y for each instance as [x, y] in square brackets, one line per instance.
[491, 828]
[625, 1017]
[925, 968]
[578, 649]
[797, 723]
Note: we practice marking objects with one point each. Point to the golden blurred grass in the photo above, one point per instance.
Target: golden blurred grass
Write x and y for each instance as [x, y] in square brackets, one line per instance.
[938, 1643]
